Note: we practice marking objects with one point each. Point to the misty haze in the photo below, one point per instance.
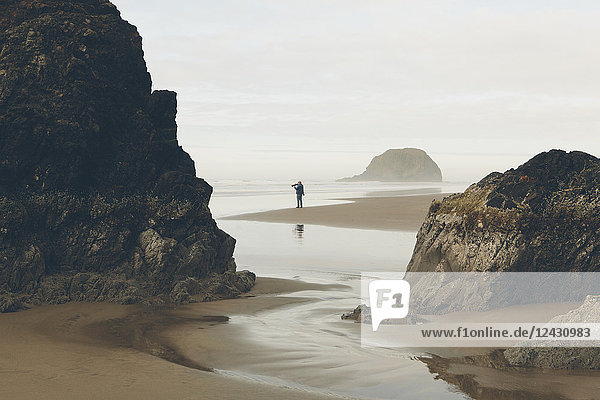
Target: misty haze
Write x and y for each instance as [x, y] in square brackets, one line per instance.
[309, 200]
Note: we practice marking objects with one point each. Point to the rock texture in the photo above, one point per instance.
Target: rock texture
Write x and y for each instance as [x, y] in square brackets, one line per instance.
[489, 377]
[447, 292]
[542, 216]
[98, 201]
[566, 356]
[361, 314]
[401, 165]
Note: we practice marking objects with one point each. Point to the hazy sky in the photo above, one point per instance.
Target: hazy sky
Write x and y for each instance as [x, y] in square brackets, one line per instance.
[278, 89]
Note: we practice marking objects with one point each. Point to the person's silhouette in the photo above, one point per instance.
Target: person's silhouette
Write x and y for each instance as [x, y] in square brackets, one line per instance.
[299, 193]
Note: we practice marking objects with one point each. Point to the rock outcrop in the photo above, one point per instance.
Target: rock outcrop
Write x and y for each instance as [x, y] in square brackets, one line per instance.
[542, 216]
[447, 292]
[361, 314]
[97, 199]
[566, 356]
[400, 165]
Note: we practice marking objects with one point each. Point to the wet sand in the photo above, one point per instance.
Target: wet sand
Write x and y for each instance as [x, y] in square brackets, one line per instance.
[394, 213]
[481, 382]
[100, 351]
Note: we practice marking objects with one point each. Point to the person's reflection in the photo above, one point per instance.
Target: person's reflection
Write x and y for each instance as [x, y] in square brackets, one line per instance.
[299, 232]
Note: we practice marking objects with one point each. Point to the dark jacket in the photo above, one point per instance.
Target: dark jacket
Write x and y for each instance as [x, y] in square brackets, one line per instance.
[299, 189]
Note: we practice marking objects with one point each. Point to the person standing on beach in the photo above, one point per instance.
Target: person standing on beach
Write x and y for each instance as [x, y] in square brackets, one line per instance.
[299, 193]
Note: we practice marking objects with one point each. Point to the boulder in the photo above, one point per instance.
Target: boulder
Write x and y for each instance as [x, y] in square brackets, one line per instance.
[541, 216]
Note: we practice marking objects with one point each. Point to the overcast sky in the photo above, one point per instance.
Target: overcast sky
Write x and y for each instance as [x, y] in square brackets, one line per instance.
[278, 89]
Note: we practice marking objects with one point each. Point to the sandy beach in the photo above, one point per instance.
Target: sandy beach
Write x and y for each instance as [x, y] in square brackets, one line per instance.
[395, 213]
[103, 351]
[283, 339]
[151, 161]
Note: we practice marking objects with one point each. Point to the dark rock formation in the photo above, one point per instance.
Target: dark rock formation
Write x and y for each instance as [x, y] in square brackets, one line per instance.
[97, 199]
[569, 358]
[400, 165]
[542, 216]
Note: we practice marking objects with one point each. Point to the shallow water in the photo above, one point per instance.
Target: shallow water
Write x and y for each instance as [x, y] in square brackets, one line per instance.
[317, 253]
[237, 197]
[305, 345]
[308, 344]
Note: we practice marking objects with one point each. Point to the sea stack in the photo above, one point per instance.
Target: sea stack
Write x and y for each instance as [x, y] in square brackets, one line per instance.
[400, 165]
[98, 202]
[542, 216]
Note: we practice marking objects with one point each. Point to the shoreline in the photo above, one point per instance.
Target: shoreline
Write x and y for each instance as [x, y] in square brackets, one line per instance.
[390, 213]
[107, 350]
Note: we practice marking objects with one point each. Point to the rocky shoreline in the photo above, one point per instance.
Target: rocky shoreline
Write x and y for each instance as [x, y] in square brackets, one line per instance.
[543, 216]
[99, 202]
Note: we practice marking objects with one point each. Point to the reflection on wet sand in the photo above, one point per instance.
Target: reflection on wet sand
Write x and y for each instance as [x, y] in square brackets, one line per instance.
[489, 377]
[299, 232]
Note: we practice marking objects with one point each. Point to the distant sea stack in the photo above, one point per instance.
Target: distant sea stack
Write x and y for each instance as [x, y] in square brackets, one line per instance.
[97, 199]
[542, 216]
[400, 165]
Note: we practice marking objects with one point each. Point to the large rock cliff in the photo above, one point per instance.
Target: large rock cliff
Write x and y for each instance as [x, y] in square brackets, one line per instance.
[542, 216]
[97, 199]
[400, 165]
